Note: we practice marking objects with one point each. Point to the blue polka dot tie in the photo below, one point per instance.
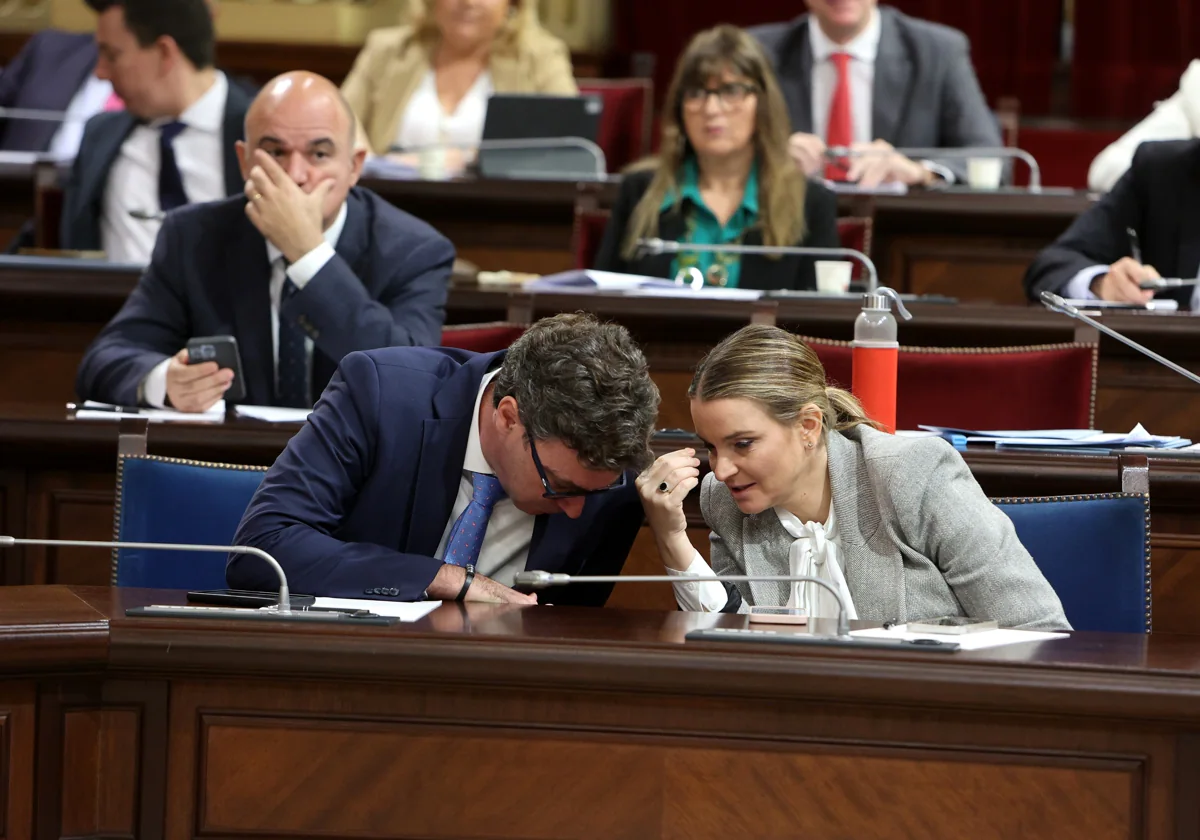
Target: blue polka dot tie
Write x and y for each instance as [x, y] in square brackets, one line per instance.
[294, 376]
[466, 537]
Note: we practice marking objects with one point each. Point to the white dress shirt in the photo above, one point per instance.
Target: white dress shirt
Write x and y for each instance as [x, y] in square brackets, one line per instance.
[88, 101]
[814, 552]
[425, 123]
[505, 547]
[1080, 286]
[133, 177]
[301, 272]
[862, 50]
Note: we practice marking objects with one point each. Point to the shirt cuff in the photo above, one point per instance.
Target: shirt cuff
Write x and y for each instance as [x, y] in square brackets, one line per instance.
[154, 386]
[698, 596]
[305, 269]
[944, 172]
[1079, 287]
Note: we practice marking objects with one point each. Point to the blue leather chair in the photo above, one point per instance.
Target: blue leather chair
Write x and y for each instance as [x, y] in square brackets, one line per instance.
[177, 501]
[1095, 551]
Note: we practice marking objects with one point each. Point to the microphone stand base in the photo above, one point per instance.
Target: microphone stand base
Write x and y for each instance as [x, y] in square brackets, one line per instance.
[728, 634]
[299, 616]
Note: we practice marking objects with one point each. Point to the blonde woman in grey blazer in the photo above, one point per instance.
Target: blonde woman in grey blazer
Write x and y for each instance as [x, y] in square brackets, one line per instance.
[801, 483]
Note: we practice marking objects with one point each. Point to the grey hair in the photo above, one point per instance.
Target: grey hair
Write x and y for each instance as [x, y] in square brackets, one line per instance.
[586, 384]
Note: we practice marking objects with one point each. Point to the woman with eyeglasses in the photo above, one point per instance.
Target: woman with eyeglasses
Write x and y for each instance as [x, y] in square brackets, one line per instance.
[722, 176]
[803, 484]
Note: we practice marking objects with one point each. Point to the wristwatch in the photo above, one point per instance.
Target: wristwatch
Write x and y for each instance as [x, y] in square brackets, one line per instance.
[470, 576]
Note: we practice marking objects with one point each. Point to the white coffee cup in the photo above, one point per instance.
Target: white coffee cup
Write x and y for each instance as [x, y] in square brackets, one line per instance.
[833, 276]
[431, 163]
[984, 173]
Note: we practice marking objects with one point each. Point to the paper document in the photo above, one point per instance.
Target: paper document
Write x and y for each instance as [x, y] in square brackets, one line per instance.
[1062, 438]
[965, 641]
[633, 284]
[404, 610]
[91, 410]
[273, 414]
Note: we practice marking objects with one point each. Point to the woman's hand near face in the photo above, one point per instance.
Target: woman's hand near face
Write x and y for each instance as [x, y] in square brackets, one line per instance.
[679, 471]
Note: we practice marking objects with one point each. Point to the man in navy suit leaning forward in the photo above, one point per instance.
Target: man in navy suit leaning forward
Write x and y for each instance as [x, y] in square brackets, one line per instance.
[439, 473]
[302, 269]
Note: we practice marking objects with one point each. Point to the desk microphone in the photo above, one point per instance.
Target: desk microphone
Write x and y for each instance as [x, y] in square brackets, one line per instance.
[1006, 152]
[655, 246]
[1055, 303]
[282, 612]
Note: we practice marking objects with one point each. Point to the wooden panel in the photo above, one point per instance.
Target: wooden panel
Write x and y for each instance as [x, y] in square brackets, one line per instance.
[379, 780]
[100, 772]
[981, 273]
[40, 358]
[12, 521]
[644, 560]
[17, 736]
[70, 506]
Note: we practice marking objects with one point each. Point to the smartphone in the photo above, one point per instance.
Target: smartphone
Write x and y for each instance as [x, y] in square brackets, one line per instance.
[244, 598]
[951, 624]
[223, 350]
[778, 615]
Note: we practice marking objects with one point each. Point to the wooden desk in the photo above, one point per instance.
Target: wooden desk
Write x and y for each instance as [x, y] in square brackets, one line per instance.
[507, 722]
[57, 478]
[970, 245]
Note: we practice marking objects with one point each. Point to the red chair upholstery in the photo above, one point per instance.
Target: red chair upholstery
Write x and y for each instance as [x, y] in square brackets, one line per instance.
[1045, 386]
[587, 233]
[624, 132]
[855, 232]
[482, 338]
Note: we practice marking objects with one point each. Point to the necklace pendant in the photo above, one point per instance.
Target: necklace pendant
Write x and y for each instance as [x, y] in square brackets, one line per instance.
[717, 275]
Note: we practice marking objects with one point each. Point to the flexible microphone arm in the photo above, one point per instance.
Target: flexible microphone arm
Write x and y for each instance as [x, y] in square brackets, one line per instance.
[540, 580]
[655, 246]
[1055, 303]
[285, 603]
[1007, 152]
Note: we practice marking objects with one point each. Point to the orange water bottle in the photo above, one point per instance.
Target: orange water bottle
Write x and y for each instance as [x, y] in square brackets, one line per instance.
[876, 355]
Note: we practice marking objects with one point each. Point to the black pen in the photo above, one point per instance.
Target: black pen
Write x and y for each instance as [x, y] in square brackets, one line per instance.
[1135, 247]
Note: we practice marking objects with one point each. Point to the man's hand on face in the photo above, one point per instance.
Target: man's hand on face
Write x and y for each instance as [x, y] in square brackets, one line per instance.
[294, 221]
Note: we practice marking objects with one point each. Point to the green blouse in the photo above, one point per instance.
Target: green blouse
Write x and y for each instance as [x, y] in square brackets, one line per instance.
[703, 228]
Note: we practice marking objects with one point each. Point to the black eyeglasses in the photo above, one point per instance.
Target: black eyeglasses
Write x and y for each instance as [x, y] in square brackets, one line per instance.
[731, 95]
[551, 493]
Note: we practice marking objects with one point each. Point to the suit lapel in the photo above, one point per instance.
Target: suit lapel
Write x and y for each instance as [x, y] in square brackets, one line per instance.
[400, 80]
[893, 83]
[106, 146]
[354, 247]
[232, 130]
[876, 582]
[443, 447]
[796, 73]
[249, 279]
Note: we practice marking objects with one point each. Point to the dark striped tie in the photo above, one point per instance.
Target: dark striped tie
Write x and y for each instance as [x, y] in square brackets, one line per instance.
[170, 181]
[292, 390]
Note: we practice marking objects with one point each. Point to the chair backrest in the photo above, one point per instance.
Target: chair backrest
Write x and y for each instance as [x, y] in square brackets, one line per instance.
[482, 338]
[1095, 552]
[1044, 386]
[624, 131]
[177, 501]
[587, 233]
[855, 232]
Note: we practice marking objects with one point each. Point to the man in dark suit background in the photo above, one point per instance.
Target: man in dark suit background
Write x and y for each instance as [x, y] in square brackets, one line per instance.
[52, 72]
[440, 473]
[1158, 199]
[175, 142]
[302, 269]
[873, 78]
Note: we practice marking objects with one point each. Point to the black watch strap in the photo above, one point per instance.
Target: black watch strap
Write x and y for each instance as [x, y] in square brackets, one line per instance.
[470, 576]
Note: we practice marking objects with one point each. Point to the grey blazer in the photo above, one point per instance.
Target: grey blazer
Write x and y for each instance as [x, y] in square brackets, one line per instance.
[917, 536]
[926, 93]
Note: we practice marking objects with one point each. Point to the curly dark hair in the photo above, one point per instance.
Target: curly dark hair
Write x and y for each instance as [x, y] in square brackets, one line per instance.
[586, 384]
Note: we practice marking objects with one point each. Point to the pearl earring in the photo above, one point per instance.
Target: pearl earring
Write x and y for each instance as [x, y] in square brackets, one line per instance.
[810, 444]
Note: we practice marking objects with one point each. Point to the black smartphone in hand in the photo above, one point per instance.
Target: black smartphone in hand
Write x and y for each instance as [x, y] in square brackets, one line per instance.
[223, 350]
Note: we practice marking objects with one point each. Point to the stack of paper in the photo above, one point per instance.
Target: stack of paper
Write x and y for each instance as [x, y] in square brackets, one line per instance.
[589, 280]
[1058, 438]
[91, 410]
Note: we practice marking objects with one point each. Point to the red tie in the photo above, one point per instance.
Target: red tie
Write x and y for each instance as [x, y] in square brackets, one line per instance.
[840, 131]
[114, 103]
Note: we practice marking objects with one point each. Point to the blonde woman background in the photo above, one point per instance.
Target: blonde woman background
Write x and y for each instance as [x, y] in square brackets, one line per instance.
[428, 82]
[802, 484]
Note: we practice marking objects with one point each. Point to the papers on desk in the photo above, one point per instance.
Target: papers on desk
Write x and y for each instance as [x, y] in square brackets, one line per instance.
[587, 281]
[273, 414]
[91, 410]
[381, 166]
[1060, 438]
[403, 610]
[1154, 305]
[889, 188]
[965, 641]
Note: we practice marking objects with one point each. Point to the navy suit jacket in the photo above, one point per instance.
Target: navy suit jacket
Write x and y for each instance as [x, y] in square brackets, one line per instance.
[1159, 197]
[209, 275]
[44, 75]
[926, 93]
[357, 503]
[83, 202]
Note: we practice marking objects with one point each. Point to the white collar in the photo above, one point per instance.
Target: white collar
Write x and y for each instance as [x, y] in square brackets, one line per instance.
[864, 47]
[208, 112]
[474, 461]
[798, 530]
[332, 234]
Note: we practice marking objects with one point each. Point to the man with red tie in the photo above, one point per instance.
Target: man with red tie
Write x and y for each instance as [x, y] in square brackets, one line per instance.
[869, 79]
